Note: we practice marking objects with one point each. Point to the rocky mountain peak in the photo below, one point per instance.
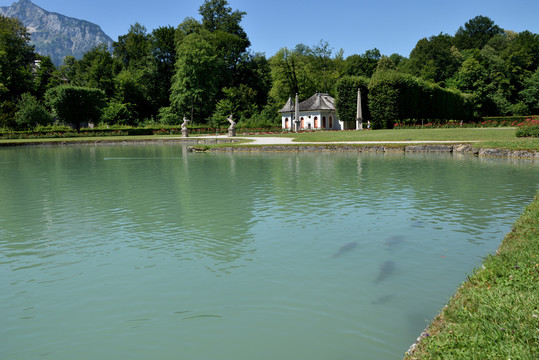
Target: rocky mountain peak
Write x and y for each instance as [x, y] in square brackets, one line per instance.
[54, 34]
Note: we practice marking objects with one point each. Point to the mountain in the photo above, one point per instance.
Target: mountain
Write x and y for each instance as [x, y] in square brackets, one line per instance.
[54, 34]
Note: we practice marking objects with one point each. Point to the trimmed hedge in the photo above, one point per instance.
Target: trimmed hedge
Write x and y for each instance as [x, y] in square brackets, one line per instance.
[60, 132]
[346, 100]
[395, 97]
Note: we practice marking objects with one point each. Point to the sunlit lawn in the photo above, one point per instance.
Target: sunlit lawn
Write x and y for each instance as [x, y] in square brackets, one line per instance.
[482, 137]
[458, 134]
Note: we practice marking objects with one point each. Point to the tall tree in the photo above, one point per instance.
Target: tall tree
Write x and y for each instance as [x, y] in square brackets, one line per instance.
[16, 58]
[254, 71]
[362, 65]
[46, 75]
[195, 84]
[530, 94]
[289, 76]
[305, 71]
[229, 38]
[476, 33]
[164, 57]
[217, 15]
[434, 59]
[133, 49]
[97, 69]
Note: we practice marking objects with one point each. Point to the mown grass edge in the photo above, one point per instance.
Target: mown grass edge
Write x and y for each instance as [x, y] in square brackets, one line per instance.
[494, 314]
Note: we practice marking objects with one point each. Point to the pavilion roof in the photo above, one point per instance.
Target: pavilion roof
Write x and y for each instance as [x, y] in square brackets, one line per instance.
[319, 101]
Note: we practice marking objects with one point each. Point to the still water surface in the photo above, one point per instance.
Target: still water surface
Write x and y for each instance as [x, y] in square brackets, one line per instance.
[150, 252]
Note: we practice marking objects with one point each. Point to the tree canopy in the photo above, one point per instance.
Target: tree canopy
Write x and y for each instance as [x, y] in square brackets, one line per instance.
[204, 69]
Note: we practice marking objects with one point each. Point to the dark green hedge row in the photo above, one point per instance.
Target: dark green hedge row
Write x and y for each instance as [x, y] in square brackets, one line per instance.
[511, 119]
[73, 133]
[346, 100]
[394, 96]
[125, 131]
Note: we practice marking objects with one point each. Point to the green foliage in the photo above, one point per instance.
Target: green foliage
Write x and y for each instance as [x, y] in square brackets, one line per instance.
[46, 75]
[133, 87]
[218, 16]
[31, 112]
[203, 69]
[164, 58]
[254, 72]
[346, 99]
[195, 83]
[362, 65]
[304, 70]
[8, 109]
[75, 105]
[476, 33]
[238, 101]
[97, 69]
[133, 49]
[117, 113]
[16, 58]
[434, 59]
[528, 128]
[394, 97]
[530, 93]
[167, 116]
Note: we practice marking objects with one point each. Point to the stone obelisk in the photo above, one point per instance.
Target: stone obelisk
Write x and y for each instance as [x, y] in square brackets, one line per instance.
[296, 120]
[359, 114]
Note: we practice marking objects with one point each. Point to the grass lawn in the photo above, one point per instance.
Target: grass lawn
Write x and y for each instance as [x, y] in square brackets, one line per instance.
[495, 313]
[464, 134]
[486, 137]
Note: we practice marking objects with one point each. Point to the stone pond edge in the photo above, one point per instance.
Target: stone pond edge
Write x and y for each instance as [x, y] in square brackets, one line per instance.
[417, 148]
[206, 145]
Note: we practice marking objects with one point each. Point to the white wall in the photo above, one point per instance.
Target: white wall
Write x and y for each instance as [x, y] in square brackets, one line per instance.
[309, 120]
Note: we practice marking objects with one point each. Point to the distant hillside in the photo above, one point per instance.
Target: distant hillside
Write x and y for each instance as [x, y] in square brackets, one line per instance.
[56, 35]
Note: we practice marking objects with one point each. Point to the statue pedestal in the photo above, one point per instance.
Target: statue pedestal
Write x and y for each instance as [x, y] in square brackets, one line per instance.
[359, 124]
[231, 132]
[185, 133]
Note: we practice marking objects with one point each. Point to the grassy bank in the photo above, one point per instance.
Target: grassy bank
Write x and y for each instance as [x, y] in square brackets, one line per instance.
[503, 138]
[460, 134]
[495, 313]
[482, 137]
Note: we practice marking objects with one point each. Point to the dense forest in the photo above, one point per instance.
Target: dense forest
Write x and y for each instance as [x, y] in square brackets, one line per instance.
[204, 70]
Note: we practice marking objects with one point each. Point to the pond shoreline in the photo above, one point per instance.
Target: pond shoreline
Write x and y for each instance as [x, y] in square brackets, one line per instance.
[394, 148]
[486, 291]
[265, 144]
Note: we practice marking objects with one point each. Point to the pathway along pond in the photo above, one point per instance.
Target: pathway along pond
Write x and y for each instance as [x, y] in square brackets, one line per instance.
[151, 252]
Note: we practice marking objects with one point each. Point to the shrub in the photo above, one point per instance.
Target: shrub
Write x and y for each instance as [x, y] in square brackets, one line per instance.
[117, 113]
[31, 112]
[167, 116]
[528, 128]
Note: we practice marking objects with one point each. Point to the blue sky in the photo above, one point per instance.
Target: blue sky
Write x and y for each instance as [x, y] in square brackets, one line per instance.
[392, 26]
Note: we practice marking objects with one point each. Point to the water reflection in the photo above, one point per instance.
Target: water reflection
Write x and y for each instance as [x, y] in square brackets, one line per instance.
[151, 195]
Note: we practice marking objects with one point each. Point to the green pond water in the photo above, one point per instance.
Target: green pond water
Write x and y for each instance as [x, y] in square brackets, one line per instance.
[150, 252]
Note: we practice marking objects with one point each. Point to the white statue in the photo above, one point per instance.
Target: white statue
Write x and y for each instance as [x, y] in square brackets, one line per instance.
[184, 124]
[232, 123]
